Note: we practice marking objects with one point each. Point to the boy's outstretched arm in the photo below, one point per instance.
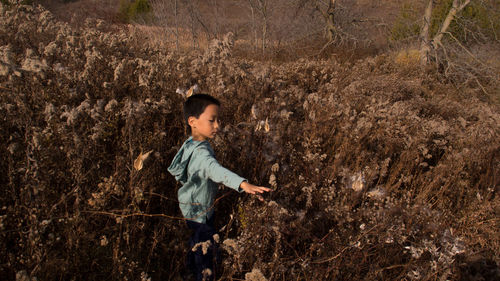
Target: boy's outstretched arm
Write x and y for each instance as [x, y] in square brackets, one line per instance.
[254, 189]
[217, 173]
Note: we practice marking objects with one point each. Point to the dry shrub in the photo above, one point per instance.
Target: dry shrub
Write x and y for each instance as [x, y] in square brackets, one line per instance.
[76, 12]
[407, 145]
[408, 58]
[158, 37]
[378, 173]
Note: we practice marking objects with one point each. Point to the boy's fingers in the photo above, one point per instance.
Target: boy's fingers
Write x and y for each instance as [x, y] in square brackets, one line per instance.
[257, 189]
[264, 188]
[261, 189]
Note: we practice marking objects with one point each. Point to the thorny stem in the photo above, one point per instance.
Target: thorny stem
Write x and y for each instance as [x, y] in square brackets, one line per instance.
[161, 196]
[170, 199]
[391, 267]
[156, 215]
[345, 248]
[132, 215]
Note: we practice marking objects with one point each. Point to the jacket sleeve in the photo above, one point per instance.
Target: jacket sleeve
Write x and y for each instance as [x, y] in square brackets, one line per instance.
[216, 172]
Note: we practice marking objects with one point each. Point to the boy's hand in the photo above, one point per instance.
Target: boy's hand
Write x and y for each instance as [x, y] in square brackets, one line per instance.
[253, 189]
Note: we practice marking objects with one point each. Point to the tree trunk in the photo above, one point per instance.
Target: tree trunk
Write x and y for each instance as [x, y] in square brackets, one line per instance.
[263, 11]
[264, 35]
[329, 17]
[330, 20]
[192, 15]
[254, 5]
[216, 10]
[425, 45]
[176, 11]
[254, 27]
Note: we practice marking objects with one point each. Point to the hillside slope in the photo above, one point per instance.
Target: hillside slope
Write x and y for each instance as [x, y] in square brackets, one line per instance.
[380, 171]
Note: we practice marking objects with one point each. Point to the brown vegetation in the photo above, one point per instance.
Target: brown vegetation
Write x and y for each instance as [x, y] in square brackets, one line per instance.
[381, 170]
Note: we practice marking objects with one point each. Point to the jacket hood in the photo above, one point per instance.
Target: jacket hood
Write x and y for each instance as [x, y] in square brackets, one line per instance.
[179, 165]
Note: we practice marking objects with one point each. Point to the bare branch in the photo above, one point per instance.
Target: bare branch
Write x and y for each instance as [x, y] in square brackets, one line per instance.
[447, 21]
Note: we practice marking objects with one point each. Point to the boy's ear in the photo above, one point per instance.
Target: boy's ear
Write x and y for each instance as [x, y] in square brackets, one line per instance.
[192, 121]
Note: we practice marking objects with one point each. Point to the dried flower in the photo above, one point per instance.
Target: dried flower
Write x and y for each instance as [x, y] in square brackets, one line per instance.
[203, 245]
[272, 181]
[255, 275]
[357, 182]
[138, 163]
[275, 168]
[104, 241]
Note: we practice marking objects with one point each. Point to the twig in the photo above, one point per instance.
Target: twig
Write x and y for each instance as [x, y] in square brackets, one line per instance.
[63, 199]
[132, 215]
[332, 258]
[161, 196]
[493, 219]
[155, 215]
[465, 49]
[345, 248]
[472, 56]
[7, 89]
[480, 85]
[325, 46]
[391, 267]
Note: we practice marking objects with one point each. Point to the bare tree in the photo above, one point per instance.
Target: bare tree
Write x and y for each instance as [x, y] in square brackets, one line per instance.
[192, 10]
[254, 26]
[327, 9]
[176, 14]
[428, 45]
[166, 18]
[333, 32]
[216, 18]
[262, 7]
[196, 20]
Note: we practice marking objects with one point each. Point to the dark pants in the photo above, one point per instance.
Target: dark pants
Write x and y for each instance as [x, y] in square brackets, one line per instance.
[197, 261]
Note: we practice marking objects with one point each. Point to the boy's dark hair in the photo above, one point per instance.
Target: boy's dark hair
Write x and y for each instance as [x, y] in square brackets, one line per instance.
[195, 105]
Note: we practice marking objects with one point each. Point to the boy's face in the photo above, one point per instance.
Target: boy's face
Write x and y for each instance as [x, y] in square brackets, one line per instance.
[207, 125]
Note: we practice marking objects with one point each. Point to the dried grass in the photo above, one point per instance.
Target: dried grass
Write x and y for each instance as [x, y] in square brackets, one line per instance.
[380, 173]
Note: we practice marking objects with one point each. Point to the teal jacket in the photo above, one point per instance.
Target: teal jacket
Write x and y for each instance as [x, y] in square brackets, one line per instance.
[196, 168]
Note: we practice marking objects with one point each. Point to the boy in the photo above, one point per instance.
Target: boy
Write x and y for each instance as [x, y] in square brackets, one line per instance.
[196, 168]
